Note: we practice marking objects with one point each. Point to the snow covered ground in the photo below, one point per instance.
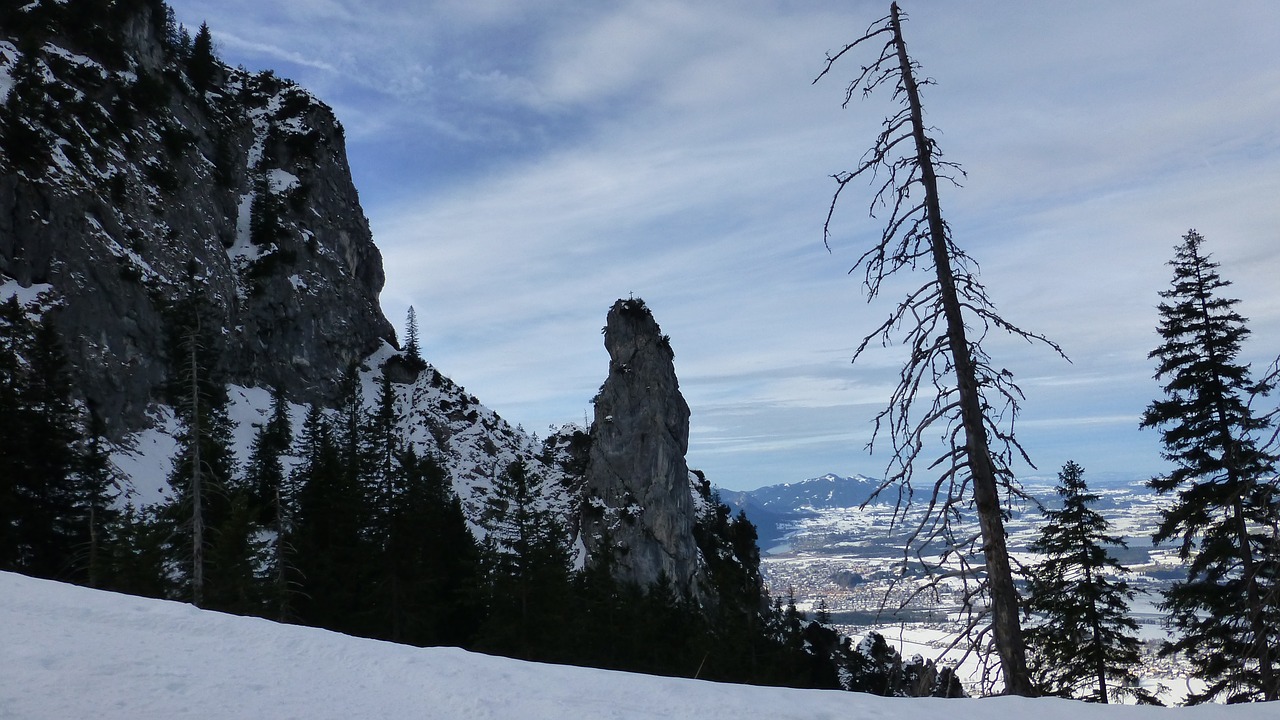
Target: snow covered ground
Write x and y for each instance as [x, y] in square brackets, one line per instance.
[69, 652]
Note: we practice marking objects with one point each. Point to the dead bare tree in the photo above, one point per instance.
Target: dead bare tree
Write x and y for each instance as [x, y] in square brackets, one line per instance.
[943, 323]
[197, 490]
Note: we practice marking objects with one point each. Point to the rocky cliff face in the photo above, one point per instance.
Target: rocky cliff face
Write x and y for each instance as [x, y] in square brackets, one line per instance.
[134, 172]
[638, 502]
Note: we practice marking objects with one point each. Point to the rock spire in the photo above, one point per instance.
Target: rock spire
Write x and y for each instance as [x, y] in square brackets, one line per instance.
[638, 501]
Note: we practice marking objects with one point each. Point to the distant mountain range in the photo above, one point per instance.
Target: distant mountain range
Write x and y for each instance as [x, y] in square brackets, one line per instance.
[773, 508]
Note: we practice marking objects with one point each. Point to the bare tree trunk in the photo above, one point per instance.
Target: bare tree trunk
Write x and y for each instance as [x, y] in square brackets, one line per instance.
[905, 164]
[282, 578]
[1095, 625]
[1003, 594]
[197, 489]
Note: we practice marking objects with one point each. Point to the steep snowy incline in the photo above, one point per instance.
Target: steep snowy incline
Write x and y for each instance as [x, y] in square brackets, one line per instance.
[70, 652]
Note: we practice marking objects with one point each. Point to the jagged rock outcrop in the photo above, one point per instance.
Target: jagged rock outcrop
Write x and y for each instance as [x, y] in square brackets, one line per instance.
[638, 502]
[128, 180]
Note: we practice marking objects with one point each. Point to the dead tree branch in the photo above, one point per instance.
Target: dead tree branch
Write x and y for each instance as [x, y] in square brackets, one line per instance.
[949, 393]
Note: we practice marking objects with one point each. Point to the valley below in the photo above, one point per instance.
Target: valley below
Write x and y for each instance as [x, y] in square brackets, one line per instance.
[848, 562]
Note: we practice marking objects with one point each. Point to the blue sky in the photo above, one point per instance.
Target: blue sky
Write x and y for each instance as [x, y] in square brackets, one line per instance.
[524, 164]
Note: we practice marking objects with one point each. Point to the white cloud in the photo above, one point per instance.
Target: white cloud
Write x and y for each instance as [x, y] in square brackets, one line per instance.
[530, 163]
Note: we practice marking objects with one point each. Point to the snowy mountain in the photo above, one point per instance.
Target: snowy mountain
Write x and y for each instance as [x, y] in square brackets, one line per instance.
[827, 491]
[72, 652]
[775, 509]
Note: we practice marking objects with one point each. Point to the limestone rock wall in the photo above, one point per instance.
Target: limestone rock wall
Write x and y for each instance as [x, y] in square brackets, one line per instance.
[122, 186]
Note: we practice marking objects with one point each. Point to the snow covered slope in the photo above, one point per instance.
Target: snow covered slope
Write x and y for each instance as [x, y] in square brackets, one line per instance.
[69, 652]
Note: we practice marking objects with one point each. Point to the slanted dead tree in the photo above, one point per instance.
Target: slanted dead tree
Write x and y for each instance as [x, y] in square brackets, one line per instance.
[949, 384]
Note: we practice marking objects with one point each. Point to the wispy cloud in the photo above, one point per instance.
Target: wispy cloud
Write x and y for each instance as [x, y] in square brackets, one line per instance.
[525, 164]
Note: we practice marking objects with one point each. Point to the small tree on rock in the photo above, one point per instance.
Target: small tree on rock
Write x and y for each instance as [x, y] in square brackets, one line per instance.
[412, 350]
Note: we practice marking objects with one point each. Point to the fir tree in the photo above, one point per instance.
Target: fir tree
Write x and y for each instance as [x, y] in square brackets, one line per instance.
[274, 495]
[328, 535]
[265, 209]
[412, 351]
[432, 561]
[23, 116]
[171, 32]
[99, 485]
[205, 513]
[1226, 511]
[383, 439]
[351, 434]
[265, 474]
[527, 563]
[42, 425]
[1081, 638]
[14, 333]
[202, 62]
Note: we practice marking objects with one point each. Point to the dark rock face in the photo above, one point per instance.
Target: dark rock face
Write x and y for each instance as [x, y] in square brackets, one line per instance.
[141, 188]
[637, 488]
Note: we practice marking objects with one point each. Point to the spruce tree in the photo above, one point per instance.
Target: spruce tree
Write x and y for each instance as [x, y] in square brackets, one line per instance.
[431, 561]
[1081, 637]
[527, 562]
[1226, 508]
[328, 532]
[99, 485]
[412, 351]
[202, 62]
[274, 496]
[351, 433]
[41, 425]
[24, 114]
[14, 332]
[206, 513]
[384, 441]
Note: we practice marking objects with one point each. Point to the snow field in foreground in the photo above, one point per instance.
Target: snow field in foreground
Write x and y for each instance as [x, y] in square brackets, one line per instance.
[71, 652]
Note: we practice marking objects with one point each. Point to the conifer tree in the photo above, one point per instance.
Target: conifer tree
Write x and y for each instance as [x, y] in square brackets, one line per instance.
[99, 484]
[14, 333]
[328, 534]
[41, 424]
[265, 209]
[202, 61]
[23, 114]
[351, 433]
[274, 496]
[1081, 636]
[384, 443]
[205, 513]
[432, 562]
[412, 351]
[527, 562]
[1226, 509]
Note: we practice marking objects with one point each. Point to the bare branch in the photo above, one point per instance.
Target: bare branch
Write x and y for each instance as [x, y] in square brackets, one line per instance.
[974, 405]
